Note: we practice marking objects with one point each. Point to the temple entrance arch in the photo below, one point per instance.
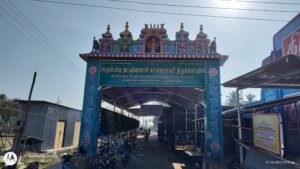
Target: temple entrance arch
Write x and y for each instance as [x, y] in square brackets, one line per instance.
[125, 77]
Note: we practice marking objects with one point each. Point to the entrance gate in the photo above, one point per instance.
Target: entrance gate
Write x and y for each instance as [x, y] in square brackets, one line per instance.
[153, 61]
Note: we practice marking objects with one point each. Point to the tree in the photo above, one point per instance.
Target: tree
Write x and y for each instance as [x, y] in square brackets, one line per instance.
[8, 114]
[231, 98]
[250, 98]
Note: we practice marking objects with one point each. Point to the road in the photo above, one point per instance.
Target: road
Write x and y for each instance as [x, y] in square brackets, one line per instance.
[153, 155]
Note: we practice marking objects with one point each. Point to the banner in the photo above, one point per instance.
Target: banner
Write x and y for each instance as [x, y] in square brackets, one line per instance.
[266, 132]
[152, 73]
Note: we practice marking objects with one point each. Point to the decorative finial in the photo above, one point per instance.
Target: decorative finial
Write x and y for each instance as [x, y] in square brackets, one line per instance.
[157, 26]
[126, 26]
[151, 26]
[146, 26]
[162, 26]
[181, 26]
[201, 28]
[214, 38]
[108, 28]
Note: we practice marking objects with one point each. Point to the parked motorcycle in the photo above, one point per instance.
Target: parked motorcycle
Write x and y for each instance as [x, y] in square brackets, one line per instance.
[66, 158]
[125, 159]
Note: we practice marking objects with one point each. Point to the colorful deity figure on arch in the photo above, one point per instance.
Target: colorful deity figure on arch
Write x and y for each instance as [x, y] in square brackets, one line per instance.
[152, 45]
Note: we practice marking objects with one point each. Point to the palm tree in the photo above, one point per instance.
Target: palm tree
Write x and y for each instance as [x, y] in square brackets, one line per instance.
[231, 98]
[250, 98]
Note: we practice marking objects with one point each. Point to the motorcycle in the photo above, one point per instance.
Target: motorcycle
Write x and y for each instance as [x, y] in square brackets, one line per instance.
[66, 158]
[124, 150]
[108, 162]
[125, 159]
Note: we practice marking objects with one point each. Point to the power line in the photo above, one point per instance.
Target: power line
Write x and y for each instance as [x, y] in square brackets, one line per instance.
[32, 33]
[268, 2]
[205, 7]
[30, 38]
[41, 34]
[160, 12]
[35, 34]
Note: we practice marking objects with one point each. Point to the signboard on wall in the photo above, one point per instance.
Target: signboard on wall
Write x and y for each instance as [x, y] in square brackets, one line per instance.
[266, 132]
[152, 73]
[291, 44]
[151, 110]
[284, 33]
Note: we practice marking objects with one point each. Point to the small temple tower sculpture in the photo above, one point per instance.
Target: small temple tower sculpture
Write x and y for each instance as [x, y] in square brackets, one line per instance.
[182, 40]
[106, 41]
[202, 42]
[125, 40]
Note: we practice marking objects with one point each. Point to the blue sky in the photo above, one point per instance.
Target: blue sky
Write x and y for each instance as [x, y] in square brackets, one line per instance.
[71, 29]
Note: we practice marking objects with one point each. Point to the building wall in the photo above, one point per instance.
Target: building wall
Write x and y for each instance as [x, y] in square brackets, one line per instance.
[58, 113]
[42, 120]
[49, 129]
[36, 119]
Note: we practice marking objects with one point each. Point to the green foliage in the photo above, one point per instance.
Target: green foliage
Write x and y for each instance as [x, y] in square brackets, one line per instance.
[232, 98]
[250, 98]
[8, 114]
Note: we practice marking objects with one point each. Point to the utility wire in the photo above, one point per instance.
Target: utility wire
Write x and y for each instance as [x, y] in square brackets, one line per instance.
[268, 2]
[34, 34]
[39, 33]
[160, 12]
[30, 38]
[31, 33]
[205, 7]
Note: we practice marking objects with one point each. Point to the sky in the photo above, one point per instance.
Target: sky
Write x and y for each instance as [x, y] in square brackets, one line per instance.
[65, 31]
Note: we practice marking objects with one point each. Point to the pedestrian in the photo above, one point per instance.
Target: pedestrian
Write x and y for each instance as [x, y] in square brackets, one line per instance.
[146, 136]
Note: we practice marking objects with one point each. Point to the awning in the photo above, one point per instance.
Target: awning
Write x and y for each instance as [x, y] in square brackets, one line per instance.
[281, 73]
[31, 140]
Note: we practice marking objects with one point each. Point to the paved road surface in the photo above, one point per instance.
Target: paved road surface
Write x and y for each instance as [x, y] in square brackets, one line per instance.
[153, 155]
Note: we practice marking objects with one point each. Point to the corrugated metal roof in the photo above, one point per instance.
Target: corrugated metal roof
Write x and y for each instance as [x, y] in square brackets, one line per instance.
[281, 73]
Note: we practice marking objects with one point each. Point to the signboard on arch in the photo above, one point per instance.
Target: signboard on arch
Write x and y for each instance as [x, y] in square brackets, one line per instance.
[152, 73]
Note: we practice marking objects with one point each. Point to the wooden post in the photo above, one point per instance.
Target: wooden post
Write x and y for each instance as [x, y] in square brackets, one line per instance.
[239, 126]
[21, 124]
